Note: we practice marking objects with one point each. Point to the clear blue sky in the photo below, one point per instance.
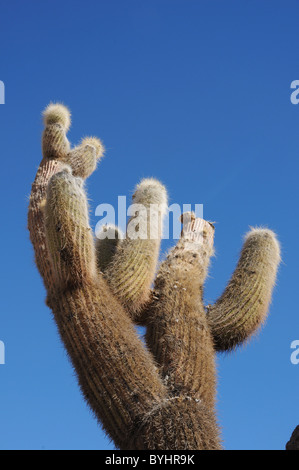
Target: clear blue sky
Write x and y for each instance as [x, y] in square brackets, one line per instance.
[197, 94]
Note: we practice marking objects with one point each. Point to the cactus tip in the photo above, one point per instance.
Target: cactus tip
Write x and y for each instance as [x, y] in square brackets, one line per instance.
[109, 231]
[261, 233]
[56, 113]
[96, 143]
[150, 190]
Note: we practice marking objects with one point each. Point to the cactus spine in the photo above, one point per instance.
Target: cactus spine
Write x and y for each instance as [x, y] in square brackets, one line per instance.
[162, 396]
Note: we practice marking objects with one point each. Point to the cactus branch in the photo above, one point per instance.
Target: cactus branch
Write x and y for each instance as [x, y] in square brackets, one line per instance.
[177, 328]
[132, 269]
[243, 306]
[83, 159]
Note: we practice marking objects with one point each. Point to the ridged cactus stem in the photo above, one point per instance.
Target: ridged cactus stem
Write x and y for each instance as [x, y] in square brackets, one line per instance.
[116, 375]
[57, 120]
[55, 145]
[108, 238]
[133, 266]
[178, 423]
[177, 328]
[66, 219]
[243, 306]
[46, 170]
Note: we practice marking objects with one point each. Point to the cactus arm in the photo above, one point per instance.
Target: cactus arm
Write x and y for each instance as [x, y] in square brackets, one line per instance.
[83, 158]
[55, 146]
[177, 331]
[57, 155]
[243, 306]
[177, 328]
[132, 269]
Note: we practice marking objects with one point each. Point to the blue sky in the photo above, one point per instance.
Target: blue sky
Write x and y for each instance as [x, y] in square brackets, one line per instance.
[197, 94]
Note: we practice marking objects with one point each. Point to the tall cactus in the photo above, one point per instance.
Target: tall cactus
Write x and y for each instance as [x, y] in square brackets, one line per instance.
[160, 395]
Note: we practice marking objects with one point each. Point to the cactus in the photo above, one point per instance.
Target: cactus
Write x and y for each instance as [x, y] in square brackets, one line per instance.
[158, 395]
